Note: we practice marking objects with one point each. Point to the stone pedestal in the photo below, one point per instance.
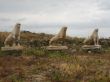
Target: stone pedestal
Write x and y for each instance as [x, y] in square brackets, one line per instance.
[91, 47]
[53, 48]
[12, 48]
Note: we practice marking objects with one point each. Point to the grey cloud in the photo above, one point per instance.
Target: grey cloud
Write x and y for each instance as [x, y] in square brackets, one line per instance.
[27, 5]
[21, 19]
[104, 4]
[11, 19]
[19, 10]
[37, 5]
[5, 19]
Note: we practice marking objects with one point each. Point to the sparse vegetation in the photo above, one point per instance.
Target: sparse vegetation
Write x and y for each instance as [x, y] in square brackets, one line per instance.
[36, 64]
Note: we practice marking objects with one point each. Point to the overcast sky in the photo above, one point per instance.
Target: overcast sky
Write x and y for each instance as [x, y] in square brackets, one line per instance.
[48, 16]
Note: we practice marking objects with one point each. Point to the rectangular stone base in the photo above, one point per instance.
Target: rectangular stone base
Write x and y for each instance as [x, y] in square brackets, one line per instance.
[91, 47]
[13, 48]
[57, 48]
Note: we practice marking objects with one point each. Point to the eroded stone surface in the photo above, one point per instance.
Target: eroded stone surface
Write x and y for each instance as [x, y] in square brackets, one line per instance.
[57, 48]
[14, 37]
[58, 37]
[93, 39]
[91, 47]
[13, 48]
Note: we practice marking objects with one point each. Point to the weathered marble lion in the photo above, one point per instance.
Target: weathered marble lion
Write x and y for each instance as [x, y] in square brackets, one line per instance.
[59, 37]
[94, 38]
[14, 37]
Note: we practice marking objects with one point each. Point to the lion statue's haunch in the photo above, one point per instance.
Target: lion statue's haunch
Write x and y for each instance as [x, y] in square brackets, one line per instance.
[14, 37]
[93, 39]
[59, 37]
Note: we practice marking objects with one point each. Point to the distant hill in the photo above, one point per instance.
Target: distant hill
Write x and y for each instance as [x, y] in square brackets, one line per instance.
[28, 37]
[41, 39]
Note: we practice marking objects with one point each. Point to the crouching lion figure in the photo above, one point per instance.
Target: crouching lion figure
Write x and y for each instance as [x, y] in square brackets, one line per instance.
[59, 37]
[14, 37]
[94, 38]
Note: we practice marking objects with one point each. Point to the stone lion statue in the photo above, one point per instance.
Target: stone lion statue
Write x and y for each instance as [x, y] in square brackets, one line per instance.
[14, 37]
[93, 39]
[59, 37]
